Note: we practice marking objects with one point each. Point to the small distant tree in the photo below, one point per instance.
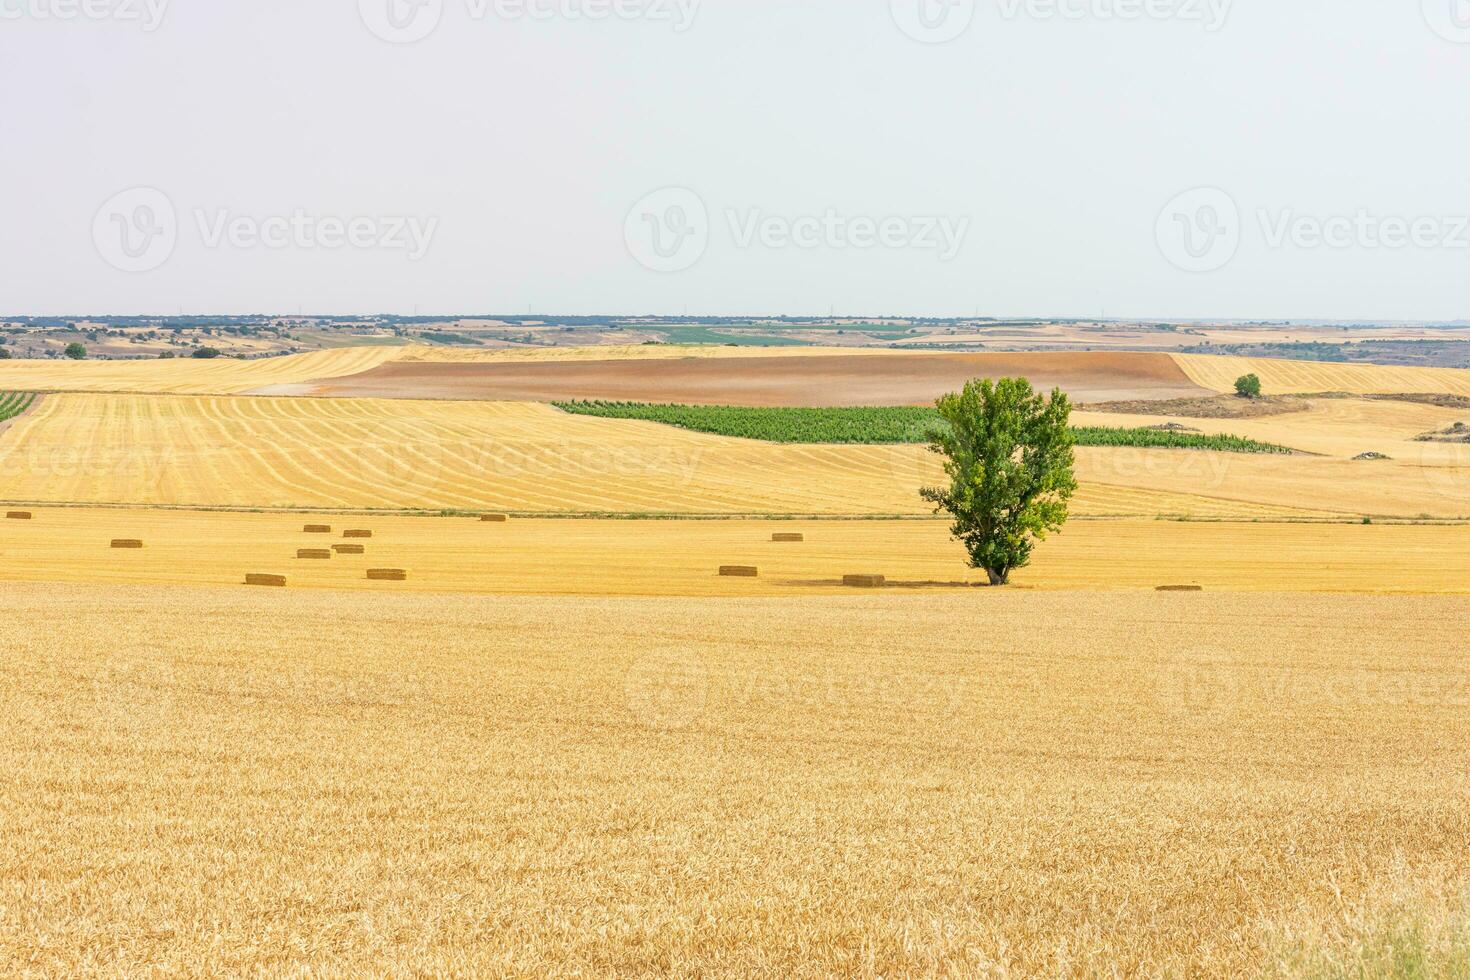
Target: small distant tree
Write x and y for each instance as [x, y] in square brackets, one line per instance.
[76, 351]
[5, 354]
[1248, 386]
[205, 353]
[166, 355]
[1008, 454]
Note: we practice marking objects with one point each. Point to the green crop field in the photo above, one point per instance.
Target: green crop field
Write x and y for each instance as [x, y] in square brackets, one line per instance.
[14, 403]
[704, 335]
[874, 426]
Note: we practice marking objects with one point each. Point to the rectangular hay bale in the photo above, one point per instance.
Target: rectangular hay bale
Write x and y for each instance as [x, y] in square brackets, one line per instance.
[1180, 588]
[739, 571]
[387, 575]
[358, 533]
[349, 549]
[128, 543]
[18, 515]
[318, 529]
[494, 518]
[275, 581]
[315, 554]
[865, 581]
[788, 537]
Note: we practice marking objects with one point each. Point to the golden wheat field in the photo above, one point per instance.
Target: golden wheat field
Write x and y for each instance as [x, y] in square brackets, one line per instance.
[682, 557]
[395, 454]
[1004, 783]
[1281, 377]
[562, 745]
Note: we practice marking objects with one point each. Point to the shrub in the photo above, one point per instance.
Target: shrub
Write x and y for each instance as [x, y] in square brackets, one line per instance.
[76, 351]
[1248, 386]
[205, 353]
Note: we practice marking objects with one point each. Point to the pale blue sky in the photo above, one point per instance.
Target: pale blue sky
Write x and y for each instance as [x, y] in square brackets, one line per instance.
[519, 146]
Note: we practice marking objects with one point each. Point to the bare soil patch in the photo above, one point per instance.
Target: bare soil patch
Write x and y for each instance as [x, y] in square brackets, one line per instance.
[1212, 407]
[828, 381]
[1427, 398]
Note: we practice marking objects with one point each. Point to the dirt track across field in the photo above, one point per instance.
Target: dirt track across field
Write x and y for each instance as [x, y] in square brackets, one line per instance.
[840, 380]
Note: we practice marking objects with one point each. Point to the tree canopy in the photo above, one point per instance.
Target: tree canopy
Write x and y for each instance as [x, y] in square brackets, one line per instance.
[1009, 457]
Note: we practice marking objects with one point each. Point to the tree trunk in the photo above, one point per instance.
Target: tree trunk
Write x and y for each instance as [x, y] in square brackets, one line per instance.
[999, 576]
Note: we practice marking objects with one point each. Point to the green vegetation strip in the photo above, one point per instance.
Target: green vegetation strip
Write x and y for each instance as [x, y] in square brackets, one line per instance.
[875, 426]
[14, 403]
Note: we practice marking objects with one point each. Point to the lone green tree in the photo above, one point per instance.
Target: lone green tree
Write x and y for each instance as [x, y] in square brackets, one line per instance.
[76, 351]
[1248, 386]
[1008, 454]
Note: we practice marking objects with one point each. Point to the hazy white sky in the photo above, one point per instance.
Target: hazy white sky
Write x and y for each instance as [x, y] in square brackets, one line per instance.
[1242, 158]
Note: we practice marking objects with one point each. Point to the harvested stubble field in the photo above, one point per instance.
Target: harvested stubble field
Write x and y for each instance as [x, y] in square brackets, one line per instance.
[452, 774]
[188, 375]
[393, 454]
[682, 557]
[1005, 783]
[1280, 377]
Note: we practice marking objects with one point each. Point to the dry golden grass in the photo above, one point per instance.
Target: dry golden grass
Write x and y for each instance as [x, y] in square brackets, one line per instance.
[682, 558]
[282, 783]
[1306, 377]
[390, 454]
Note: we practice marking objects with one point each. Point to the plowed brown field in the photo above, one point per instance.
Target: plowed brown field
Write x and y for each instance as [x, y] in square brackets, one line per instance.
[834, 380]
